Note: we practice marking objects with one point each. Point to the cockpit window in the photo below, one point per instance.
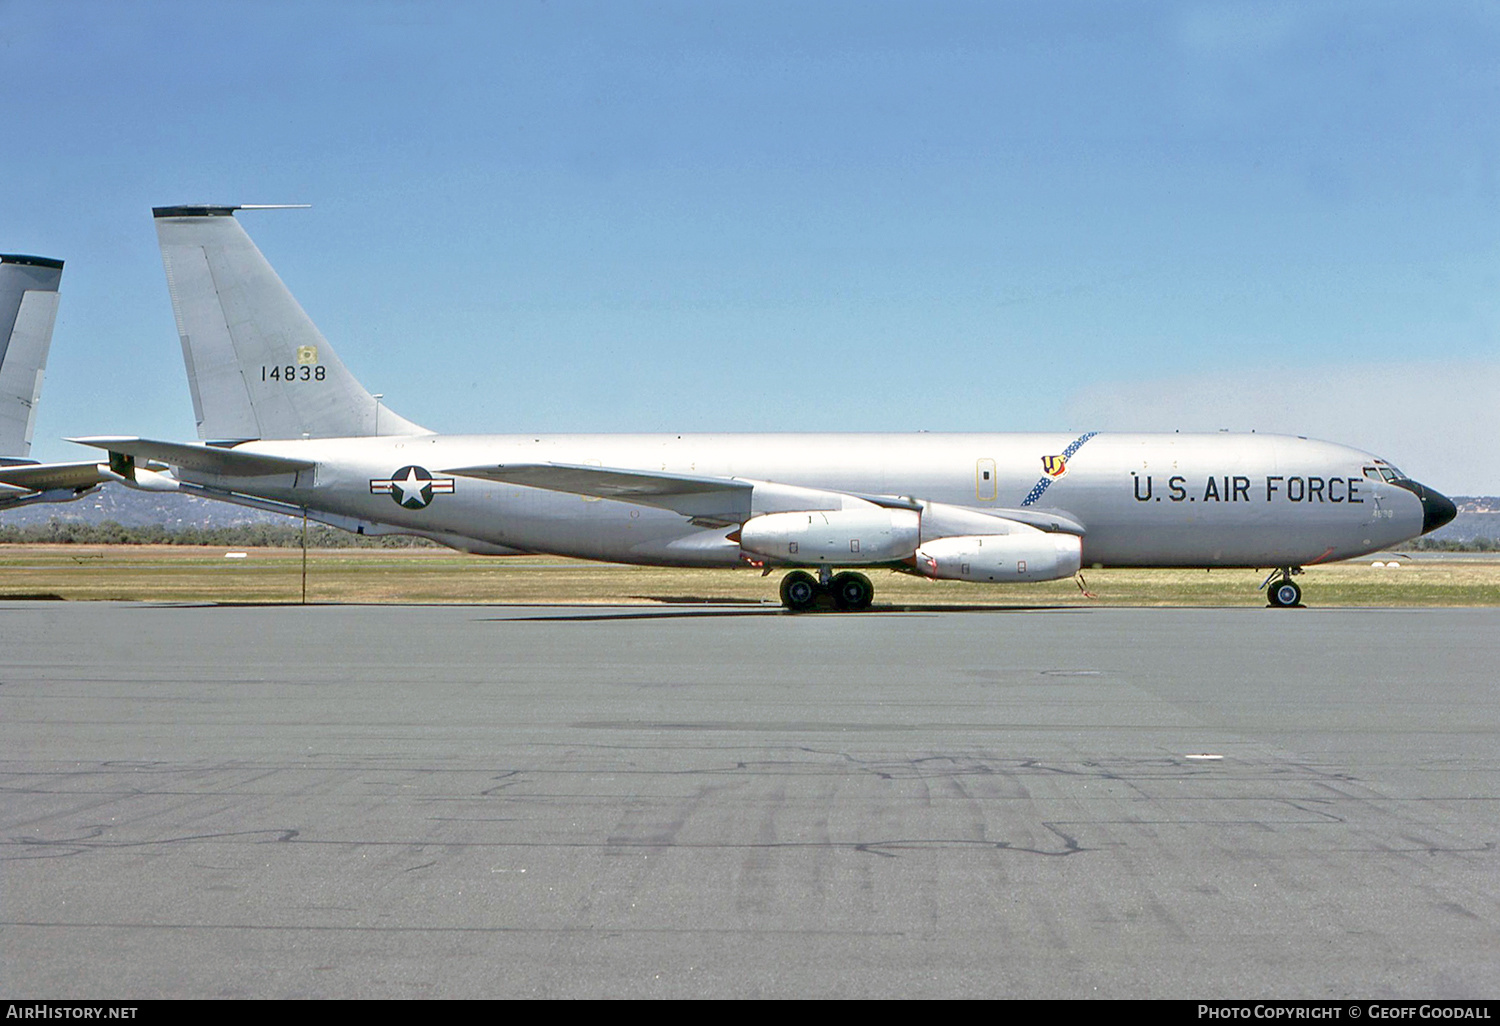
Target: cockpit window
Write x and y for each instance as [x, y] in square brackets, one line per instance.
[1389, 474]
[1372, 473]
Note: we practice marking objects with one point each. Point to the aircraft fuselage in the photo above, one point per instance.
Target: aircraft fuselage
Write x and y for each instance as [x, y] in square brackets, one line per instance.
[1144, 500]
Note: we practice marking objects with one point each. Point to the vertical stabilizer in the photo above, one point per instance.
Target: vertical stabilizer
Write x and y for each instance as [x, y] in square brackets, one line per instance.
[257, 365]
[28, 309]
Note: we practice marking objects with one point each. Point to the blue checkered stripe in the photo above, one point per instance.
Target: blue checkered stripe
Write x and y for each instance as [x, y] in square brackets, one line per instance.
[1067, 454]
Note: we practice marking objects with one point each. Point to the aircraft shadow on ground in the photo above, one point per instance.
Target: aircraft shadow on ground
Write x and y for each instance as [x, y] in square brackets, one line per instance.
[671, 609]
[705, 610]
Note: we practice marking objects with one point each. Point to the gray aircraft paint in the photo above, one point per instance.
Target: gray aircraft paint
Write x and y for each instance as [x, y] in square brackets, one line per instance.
[1102, 489]
[1137, 499]
[237, 323]
[28, 310]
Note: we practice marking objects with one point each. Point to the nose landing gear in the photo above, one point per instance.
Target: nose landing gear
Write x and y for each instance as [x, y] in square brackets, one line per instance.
[849, 591]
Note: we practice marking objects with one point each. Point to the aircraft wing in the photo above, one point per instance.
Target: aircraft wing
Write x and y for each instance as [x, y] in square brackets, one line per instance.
[204, 459]
[710, 499]
[39, 477]
[22, 484]
[1054, 521]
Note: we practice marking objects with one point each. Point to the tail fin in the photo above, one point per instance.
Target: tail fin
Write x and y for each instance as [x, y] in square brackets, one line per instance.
[257, 365]
[28, 308]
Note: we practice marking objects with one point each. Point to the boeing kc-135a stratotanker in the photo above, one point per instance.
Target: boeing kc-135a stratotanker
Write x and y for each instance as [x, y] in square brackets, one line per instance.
[285, 426]
[28, 310]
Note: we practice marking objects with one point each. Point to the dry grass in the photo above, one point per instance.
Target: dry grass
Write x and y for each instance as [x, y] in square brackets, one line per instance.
[183, 574]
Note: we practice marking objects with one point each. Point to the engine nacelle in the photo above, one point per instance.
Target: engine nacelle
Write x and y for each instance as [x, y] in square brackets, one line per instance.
[141, 479]
[843, 537]
[47, 495]
[1026, 555]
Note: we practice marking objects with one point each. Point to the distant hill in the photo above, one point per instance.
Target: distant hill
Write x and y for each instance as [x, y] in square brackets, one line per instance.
[1478, 515]
[131, 508]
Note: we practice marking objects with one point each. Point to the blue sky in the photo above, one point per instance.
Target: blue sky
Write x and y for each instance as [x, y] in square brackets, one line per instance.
[639, 216]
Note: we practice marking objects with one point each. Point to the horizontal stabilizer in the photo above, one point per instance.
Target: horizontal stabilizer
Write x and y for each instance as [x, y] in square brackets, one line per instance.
[203, 459]
[716, 498]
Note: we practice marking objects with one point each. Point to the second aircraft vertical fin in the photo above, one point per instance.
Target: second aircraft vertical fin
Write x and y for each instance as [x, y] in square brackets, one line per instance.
[28, 310]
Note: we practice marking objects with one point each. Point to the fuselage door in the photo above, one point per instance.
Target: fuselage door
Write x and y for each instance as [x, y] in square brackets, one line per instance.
[984, 480]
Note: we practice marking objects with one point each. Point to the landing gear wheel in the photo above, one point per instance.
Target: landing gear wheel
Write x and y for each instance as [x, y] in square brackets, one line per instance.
[852, 591]
[799, 590]
[1284, 594]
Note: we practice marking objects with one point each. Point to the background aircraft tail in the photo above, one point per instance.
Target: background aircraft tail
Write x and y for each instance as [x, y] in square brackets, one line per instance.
[28, 308]
[257, 365]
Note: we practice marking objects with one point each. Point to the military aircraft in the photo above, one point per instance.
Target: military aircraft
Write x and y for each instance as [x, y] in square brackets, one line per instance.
[28, 310]
[285, 426]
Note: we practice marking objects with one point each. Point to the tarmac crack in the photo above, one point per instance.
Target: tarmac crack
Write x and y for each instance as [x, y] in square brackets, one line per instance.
[888, 849]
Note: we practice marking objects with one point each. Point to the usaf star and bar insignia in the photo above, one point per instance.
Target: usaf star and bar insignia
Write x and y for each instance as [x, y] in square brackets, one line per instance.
[411, 487]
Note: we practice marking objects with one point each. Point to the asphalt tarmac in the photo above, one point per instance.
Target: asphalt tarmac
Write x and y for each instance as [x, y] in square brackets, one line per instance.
[441, 801]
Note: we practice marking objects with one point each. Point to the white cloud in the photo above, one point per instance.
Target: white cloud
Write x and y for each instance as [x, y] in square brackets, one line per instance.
[1439, 422]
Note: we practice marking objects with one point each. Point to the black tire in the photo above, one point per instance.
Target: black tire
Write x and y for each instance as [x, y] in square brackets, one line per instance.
[852, 592]
[1284, 594]
[799, 591]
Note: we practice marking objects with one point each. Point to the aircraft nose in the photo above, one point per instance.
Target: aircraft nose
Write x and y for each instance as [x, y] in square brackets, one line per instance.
[1437, 508]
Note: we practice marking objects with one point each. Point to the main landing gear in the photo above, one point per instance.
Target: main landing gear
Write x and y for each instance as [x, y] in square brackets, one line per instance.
[1285, 593]
[849, 591]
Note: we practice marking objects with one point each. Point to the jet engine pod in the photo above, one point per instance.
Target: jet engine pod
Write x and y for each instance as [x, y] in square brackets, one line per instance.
[844, 537]
[1028, 555]
[133, 476]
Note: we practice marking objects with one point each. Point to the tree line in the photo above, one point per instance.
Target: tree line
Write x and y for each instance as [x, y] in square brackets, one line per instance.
[1454, 545]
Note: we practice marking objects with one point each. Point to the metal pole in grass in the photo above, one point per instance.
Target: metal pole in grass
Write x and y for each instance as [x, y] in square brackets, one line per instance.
[304, 555]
